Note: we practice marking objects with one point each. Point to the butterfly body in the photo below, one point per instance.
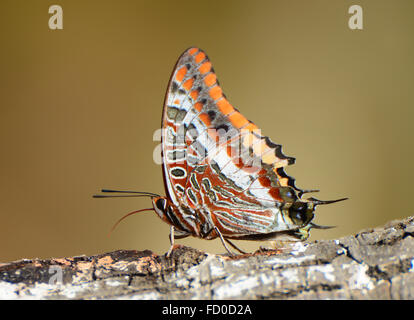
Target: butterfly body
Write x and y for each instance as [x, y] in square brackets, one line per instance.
[222, 177]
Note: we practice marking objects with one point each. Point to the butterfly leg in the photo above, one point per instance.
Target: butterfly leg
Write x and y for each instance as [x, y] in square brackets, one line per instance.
[276, 245]
[235, 247]
[223, 242]
[171, 241]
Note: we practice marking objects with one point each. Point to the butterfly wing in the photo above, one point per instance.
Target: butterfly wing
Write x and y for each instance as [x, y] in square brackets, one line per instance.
[215, 161]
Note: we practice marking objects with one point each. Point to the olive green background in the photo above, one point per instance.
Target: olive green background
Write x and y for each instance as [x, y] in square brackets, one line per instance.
[79, 107]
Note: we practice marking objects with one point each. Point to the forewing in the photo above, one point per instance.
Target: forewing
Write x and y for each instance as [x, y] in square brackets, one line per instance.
[214, 159]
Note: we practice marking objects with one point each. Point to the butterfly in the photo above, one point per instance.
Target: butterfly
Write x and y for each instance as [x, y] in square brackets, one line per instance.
[222, 177]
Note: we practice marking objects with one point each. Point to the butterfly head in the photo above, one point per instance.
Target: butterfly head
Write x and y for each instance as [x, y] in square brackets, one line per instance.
[166, 210]
[160, 205]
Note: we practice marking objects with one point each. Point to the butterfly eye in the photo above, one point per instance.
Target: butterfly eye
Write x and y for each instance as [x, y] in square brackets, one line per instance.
[300, 214]
[161, 204]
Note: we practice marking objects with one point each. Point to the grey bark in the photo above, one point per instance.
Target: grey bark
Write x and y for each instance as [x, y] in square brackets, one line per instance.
[372, 264]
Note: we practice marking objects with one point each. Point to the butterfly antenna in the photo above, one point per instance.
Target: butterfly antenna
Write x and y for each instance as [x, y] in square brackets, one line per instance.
[127, 215]
[122, 196]
[131, 194]
[123, 191]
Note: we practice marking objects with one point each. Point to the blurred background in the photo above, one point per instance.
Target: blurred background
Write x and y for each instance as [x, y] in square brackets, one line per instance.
[79, 107]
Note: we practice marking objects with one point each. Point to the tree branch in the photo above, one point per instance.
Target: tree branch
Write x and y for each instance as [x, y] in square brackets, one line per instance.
[373, 264]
